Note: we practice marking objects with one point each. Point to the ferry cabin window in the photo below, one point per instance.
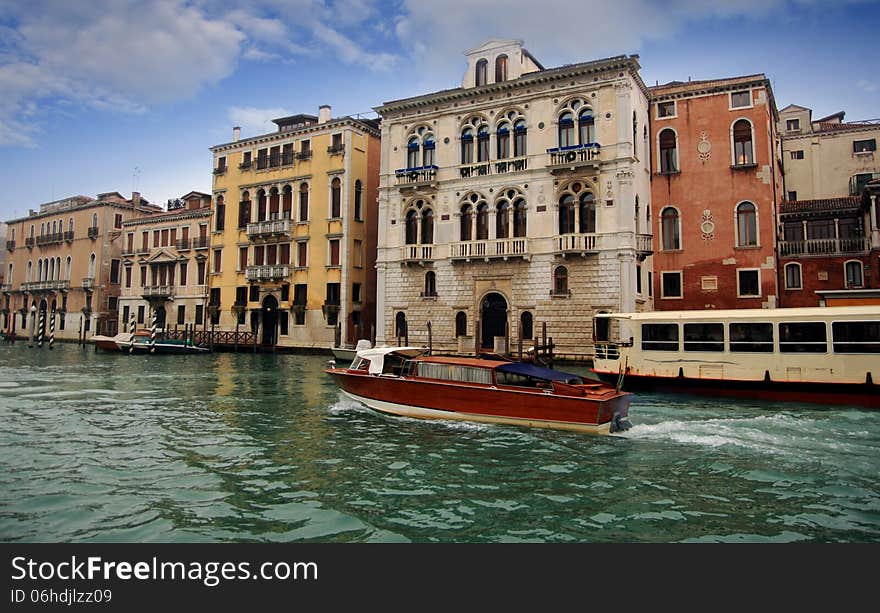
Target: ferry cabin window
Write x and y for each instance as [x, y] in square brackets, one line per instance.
[751, 337]
[704, 337]
[806, 337]
[660, 337]
[856, 336]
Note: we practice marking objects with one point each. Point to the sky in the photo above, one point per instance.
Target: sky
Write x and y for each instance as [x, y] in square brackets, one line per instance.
[129, 95]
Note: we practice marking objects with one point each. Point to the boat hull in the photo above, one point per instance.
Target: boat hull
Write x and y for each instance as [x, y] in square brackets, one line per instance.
[468, 402]
[827, 394]
[161, 348]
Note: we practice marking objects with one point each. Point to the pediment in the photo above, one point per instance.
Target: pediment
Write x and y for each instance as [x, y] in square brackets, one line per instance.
[793, 108]
[162, 255]
[495, 43]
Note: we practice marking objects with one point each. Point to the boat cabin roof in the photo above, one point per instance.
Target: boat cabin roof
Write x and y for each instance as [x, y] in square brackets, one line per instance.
[758, 314]
[475, 362]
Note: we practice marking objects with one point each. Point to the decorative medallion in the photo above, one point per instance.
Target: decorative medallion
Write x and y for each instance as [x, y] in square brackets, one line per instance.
[707, 226]
[704, 147]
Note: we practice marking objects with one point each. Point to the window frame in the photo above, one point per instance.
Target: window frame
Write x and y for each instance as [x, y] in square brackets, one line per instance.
[663, 274]
[800, 276]
[739, 293]
[672, 115]
[751, 103]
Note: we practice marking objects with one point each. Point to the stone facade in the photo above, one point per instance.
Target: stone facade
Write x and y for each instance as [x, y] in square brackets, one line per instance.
[522, 194]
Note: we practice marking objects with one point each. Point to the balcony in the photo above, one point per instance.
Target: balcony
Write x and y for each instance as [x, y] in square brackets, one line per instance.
[245, 165]
[267, 273]
[287, 158]
[416, 177]
[269, 229]
[644, 244]
[511, 165]
[202, 242]
[158, 291]
[68, 236]
[220, 170]
[44, 286]
[262, 163]
[417, 253]
[29, 242]
[184, 244]
[6, 288]
[490, 248]
[480, 169]
[88, 283]
[304, 155]
[583, 244]
[824, 246]
[93, 232]
[50, 239]
[574, 157]
[10, 245]
[335, 149]
[128, 250]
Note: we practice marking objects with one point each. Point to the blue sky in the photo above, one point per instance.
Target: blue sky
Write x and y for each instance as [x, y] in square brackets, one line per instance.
[123, 95]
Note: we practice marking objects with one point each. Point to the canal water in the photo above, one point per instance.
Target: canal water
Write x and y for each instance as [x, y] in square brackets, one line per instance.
[254, 447]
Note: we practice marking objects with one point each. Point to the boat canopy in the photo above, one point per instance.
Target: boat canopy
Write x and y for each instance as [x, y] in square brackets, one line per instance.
[376, 355]
[537, 372]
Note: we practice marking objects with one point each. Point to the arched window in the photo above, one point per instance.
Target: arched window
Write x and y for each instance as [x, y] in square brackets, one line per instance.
[12, 236]
[51, 267]
[303, 201]
[54, 227]
[566, 214]
[586, 127]
[412, 227]
[466, 223]
[746, 225]
[42, 230]
[482, 72]
[244, 210]
[428, 147]
[793, 276]
[412, 152]
[483, 143]
[261, 205]
[67, 269]
[670, 228]
[335, 198]
[482, 221]
[28, 271]
[502, 219]
[503, 140]
[853, 270]
[92, 266]
[400, 324]
[40, 269]
[70, 225]
[358, 200]
[430, 283]
[560, 280]
[566, 130]
[427, 227]
[460, 324]
[501, 68]
[32, 231]
[94, 220]
[519, 218]
[287, 202]
[220, 215]
[668, 151]
[467, 146]
[743, 151]
[519, 138]
[586, 213]
[525, 325]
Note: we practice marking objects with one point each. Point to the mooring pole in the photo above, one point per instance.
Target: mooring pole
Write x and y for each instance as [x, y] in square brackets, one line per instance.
[52, 330]
[153, 333]
[429, 338]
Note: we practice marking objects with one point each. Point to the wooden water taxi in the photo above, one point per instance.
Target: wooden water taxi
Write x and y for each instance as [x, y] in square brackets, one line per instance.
[826, 355]
[404, 381]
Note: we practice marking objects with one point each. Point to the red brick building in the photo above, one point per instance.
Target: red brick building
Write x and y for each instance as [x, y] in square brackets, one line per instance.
[715, 181]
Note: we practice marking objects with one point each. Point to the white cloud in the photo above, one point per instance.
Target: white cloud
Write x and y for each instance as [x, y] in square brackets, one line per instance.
[868, 86]
[254, 121]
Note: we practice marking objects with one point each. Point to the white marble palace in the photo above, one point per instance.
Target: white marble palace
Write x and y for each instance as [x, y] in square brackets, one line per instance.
[519, 198]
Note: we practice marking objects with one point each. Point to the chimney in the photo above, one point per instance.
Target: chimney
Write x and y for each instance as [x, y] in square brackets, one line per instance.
[236, 134]
[324, 113]
[136, 198]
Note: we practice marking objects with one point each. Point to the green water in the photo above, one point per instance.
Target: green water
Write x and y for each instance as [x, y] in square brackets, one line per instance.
[244, 447]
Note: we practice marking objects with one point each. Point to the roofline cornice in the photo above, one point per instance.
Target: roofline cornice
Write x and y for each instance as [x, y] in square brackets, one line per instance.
[630, 63]
[162, 218]
[310, 129]
[82, 207]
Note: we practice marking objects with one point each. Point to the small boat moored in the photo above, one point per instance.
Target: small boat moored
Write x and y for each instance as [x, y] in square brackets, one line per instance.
[404, 381]
[140, 343]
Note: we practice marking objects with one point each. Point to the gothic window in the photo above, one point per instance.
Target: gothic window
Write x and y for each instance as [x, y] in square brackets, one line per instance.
[566, 130]
[467, 146]
[746, 225]
[566, 214]
[427, 226]
[502, 219]
[519, 218]
[586, 127]
[670, 229]
[743, 151]
[668, 151]
[483, 221]
[587, 213]
[466, 222]
[412, 227]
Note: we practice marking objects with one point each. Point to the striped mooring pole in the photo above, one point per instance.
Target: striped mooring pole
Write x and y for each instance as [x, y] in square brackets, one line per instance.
[52, 330]
[42, 325]
[153, 335]
[131, 326]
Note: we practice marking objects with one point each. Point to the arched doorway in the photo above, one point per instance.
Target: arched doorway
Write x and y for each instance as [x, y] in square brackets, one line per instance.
[270, 319]
[493, 316]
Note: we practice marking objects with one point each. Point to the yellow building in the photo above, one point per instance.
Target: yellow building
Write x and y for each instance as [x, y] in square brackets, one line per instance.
[294, 232]
[66, 257]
